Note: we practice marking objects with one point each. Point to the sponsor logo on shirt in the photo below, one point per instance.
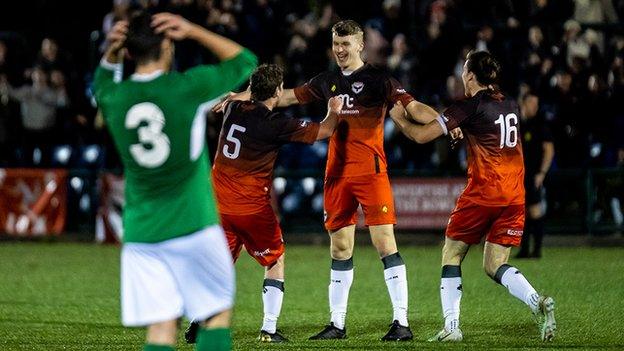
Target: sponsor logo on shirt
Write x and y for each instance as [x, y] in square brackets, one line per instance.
[347, 102]
[333, 88]
[357, 87]
[401, 91]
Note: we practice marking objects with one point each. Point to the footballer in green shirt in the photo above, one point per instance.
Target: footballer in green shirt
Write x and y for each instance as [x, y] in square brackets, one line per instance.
[175, 260]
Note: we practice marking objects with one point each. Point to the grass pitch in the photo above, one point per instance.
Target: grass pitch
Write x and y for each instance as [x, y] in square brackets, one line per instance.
[66, 297]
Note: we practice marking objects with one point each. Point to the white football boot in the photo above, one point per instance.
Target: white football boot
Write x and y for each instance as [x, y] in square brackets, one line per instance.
[444, 335]
[545, 317]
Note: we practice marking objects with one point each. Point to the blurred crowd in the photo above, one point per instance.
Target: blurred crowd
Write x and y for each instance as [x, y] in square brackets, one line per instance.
[568, 53]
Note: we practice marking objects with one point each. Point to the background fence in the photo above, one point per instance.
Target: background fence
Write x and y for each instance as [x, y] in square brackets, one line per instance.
[578, 202]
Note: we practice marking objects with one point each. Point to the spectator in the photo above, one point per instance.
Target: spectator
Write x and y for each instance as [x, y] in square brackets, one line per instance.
[38, 104]
[539, 151]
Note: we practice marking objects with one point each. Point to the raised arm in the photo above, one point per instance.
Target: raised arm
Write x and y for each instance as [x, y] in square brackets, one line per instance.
[116, 38]
[104, 76]
[334, 106]
[418, 133]
[178, 28]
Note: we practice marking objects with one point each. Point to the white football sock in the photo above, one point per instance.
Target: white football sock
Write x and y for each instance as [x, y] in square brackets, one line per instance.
[339, 286]
[519, 287]
[272, 297]
[450, 296]
[396, 281]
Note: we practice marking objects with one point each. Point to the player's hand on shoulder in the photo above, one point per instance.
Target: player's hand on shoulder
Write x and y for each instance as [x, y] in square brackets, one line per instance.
[220, 106]
[334, 104]
[173, 26]
[231, 96]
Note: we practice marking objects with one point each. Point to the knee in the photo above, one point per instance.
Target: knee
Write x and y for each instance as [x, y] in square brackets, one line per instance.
[341, 249]
[385, 247]
[451, 256]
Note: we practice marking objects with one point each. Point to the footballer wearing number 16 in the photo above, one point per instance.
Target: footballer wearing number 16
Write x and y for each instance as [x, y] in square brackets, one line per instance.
[492, 205]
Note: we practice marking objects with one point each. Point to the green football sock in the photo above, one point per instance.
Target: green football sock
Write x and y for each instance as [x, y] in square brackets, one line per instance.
[153, 347]
[217, 339]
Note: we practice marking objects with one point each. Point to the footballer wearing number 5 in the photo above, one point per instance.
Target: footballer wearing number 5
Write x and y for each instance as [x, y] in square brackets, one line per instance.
[174, 260]
[250, 139]
[492, 204]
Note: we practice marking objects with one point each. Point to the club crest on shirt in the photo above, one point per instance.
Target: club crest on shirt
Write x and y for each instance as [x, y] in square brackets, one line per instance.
[357, 87]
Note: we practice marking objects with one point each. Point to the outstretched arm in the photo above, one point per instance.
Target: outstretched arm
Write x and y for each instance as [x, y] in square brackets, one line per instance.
[424, 114]
[418, 133]
[288, 98]
[421, 113]
[334, 106]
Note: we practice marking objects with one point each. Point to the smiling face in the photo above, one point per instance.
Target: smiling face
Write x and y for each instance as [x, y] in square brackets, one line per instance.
[347, 50]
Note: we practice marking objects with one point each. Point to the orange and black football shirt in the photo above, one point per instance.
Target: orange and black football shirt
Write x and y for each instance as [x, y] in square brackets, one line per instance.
[356, 147]
[250, 139]
[490, 125]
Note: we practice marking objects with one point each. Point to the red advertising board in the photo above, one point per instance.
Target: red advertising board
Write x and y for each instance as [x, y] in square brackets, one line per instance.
[32, 201]
[108, 221]
[425, 203]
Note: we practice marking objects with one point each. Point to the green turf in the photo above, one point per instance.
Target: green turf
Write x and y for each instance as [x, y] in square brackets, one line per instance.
[66, 297]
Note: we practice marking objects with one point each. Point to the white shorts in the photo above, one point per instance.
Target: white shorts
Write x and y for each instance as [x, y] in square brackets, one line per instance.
[192, 275]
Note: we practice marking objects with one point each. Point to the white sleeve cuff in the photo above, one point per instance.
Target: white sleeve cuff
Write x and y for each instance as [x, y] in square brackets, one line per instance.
[109, 65]
[440, 120]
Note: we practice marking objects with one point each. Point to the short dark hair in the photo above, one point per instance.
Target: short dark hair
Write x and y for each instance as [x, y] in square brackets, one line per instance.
[484, 66]
[142, 42]
[264, 80]
[347, 27]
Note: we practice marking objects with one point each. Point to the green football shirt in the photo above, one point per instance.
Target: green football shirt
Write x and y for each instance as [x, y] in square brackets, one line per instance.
[158, 125]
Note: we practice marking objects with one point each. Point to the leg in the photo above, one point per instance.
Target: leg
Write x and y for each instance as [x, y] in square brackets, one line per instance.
[203, 268]
[261, 235]
[161, 336]
[149, 295]
[525, 246]
[214, 332]
[395, 275]
[495, 259]
[543, 307]
[453, 254]
[341, 278]
[466, 226]
[342, 242]
[340, 218]
[536, 215]
[272, 297]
